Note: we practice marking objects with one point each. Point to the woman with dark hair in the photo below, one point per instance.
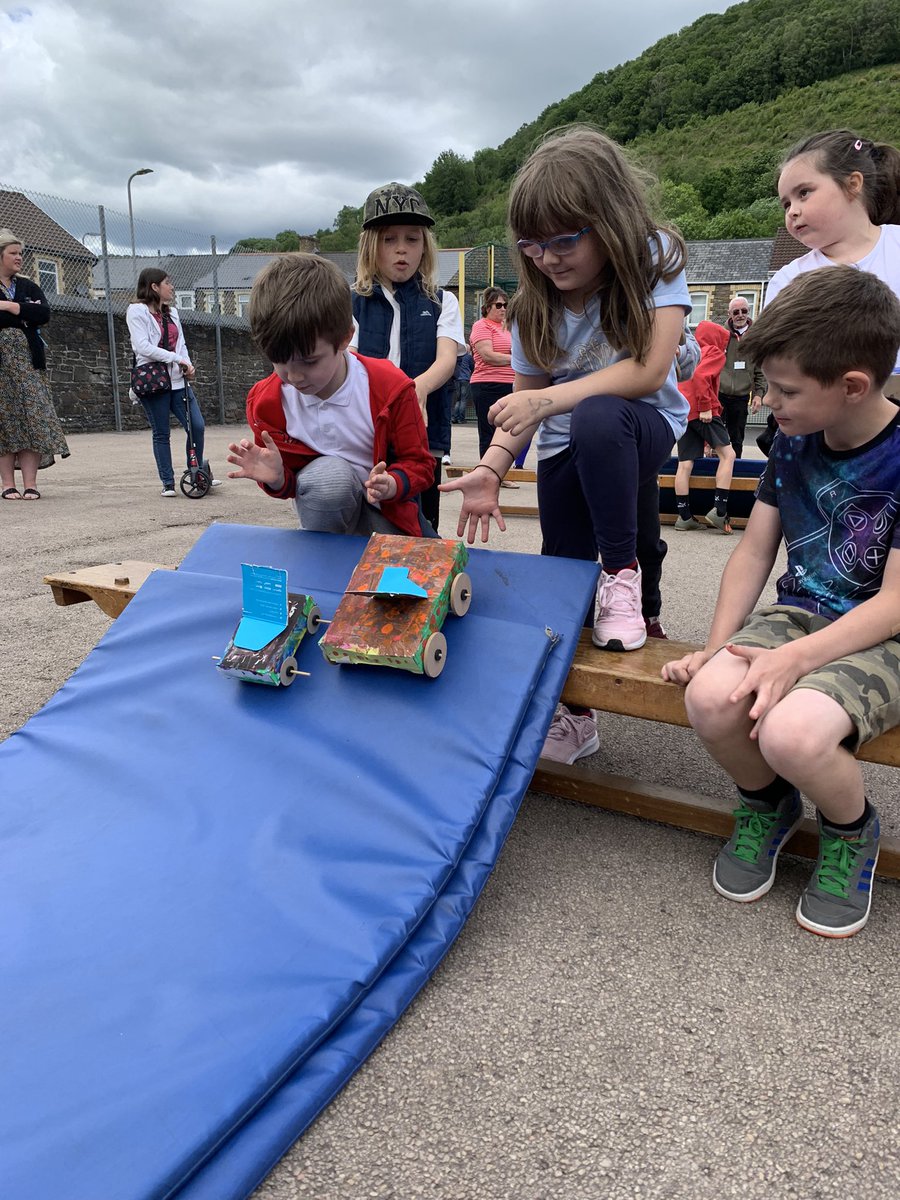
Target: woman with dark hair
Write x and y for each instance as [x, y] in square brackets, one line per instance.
[493, 376]
[156, 336]
[30, 432]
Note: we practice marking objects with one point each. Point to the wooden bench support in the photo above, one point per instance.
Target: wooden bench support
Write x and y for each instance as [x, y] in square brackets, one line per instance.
[110, 585]
[681, 809]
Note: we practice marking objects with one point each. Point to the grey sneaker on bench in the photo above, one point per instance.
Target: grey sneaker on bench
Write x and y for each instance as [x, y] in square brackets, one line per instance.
[838, 897]
[745, 867]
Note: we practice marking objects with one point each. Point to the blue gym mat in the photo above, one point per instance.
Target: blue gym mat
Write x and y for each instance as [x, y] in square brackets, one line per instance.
[216, 898]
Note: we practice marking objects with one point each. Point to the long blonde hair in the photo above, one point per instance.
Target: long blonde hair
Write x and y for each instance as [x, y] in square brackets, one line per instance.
[576, 177]
[367, 262]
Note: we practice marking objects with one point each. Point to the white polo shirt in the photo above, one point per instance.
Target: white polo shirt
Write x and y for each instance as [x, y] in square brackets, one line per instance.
[342, 425]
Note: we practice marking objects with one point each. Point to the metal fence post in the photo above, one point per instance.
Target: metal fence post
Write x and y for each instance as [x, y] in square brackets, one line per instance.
[110, 323]
[217, 310]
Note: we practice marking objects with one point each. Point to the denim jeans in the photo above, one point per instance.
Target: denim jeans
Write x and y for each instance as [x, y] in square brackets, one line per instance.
[158, 409]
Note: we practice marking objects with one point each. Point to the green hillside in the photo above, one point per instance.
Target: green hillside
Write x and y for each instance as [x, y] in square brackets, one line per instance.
[709, 109]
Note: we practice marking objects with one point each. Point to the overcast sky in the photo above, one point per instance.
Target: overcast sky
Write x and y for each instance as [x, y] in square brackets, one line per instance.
[262, 116]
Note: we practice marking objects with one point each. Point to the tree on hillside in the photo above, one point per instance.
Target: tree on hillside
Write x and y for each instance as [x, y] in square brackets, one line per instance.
[344, 232]
[248, 245]
[450, 186]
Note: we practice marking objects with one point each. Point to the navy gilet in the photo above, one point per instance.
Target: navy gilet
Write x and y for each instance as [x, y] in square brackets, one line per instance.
[418, 345]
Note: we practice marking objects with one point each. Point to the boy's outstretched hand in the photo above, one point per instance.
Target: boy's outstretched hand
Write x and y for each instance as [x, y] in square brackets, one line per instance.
[262, 463]
[480, 502]
[683, 670]
[380, 485]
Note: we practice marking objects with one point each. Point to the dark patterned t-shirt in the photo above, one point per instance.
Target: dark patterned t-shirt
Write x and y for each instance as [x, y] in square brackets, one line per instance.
[838, 511]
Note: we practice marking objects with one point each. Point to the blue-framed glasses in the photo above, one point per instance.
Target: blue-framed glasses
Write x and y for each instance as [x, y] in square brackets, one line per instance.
[562, 245]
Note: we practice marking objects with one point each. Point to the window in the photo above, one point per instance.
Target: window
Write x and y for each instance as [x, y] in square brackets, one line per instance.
[699, 308]
[184, 300]
[48, 276]
[243, 299]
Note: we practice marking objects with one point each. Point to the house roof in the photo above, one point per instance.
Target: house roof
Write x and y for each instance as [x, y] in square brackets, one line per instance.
[345, 260]
[785, 249]
[37, 230]
[183, 269]
[236, 271]
[729, 261]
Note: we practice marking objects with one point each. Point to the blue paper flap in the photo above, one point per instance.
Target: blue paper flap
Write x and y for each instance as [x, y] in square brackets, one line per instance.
[395, 581]
[264, 606]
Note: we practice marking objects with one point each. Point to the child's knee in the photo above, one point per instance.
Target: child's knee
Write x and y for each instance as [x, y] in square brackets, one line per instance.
[329, 495]
[805, 727]
[709, 709]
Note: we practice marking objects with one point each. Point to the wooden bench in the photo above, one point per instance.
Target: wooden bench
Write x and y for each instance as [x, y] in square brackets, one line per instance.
[628, 684]
[111, 585]
[701, 483]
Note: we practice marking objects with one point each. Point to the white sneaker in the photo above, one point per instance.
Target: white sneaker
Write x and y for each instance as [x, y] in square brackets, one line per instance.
[570, 736]
[618, 622]
[215, 483]
[168, 490]
[446, 461]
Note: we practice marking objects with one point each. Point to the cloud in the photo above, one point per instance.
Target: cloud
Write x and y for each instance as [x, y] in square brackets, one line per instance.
[256, 118]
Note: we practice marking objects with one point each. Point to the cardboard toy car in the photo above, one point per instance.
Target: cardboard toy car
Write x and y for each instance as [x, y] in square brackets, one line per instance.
[273, 623]
[395, 604]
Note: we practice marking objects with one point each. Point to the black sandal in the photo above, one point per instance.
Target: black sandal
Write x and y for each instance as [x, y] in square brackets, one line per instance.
[31, 494]
[11, 494]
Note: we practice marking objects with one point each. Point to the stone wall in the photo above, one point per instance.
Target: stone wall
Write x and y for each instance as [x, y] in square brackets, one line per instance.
[78, 363]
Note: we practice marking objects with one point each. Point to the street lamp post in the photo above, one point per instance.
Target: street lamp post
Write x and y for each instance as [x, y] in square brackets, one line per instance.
[133, 175]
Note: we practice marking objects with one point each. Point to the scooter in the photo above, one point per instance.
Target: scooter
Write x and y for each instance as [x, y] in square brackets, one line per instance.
[197, 479]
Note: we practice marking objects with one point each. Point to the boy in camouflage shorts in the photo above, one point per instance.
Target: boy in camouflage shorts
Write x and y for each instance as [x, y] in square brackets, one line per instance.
[784, 696]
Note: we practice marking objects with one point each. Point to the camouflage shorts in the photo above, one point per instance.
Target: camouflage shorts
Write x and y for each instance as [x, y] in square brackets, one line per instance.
[866, 685]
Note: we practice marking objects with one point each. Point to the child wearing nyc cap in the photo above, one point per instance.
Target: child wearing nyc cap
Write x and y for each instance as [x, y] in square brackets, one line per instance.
[400, 314]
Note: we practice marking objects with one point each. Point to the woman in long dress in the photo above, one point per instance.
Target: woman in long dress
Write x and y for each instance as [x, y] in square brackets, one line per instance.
[30, 432]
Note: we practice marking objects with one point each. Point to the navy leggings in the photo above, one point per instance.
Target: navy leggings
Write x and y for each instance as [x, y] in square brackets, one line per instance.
[600, 496]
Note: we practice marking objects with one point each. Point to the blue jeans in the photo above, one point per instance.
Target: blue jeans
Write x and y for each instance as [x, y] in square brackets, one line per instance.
[158, 408]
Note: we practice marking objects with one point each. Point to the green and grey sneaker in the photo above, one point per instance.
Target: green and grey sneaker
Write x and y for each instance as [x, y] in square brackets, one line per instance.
[838, 897]
[689, 523]
[745, 867]
[723, 524]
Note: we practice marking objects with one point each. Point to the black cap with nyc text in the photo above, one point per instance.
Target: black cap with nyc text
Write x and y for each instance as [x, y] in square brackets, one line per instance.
[395, 204]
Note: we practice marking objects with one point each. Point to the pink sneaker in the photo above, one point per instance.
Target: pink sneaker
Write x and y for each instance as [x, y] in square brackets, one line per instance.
[570, 736]
[618, 623]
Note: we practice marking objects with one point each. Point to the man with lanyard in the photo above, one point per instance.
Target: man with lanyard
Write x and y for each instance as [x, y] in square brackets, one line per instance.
[739, 376]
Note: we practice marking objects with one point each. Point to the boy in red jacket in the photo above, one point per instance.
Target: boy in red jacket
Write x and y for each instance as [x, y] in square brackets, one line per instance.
[705, 427]
[340, 435]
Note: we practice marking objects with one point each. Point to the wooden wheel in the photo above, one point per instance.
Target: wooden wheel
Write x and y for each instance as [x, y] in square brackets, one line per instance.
[435, 655]
[460, 594]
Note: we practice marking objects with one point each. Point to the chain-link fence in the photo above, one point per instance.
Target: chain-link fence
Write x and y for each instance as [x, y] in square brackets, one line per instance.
[87, 259]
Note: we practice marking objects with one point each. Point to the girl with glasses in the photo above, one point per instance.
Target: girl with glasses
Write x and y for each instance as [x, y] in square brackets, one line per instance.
[596, 323]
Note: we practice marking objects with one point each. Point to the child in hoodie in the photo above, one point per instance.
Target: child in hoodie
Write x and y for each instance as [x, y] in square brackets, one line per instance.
[705, 427]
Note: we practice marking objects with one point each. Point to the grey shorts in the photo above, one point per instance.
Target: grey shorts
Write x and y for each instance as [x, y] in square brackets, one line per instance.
[698, 434]
[866, 685]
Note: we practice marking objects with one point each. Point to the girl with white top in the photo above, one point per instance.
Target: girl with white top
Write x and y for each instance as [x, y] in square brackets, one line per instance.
[841, 198]
[156, 336]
